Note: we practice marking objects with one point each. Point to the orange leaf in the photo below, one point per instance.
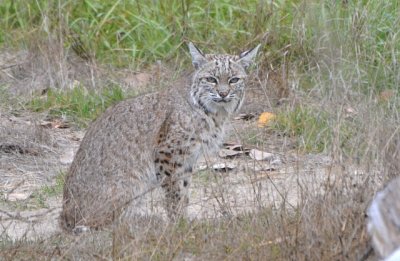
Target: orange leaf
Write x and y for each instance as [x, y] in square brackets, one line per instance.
[265, 118]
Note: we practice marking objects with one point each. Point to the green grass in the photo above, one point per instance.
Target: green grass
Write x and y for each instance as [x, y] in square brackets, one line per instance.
[307, 35]
[56, 189]
[312, 128]
[39, 197]
[136, 32]
[79, 104]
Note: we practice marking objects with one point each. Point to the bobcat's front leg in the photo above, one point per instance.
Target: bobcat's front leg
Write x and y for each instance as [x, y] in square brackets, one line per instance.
[175, 181]
[173, 164]
[176, 196]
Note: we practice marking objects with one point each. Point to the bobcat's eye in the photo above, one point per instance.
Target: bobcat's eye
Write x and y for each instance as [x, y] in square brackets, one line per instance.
[211, 80]
[234, 80]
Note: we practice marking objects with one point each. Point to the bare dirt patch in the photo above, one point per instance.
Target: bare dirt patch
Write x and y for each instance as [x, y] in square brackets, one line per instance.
[34, 153]
[31, 156]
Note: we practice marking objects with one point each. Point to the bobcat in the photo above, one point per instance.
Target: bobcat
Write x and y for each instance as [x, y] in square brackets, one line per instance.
[153, 140]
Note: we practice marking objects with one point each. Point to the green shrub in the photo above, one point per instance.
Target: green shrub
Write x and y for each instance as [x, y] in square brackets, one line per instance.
[80, 104]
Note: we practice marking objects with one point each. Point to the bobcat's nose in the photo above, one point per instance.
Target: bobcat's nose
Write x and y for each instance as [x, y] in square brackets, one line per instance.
[223, 94]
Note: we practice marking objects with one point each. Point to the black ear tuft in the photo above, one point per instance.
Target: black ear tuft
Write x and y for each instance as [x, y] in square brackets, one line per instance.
[247, 57]
[198, 58]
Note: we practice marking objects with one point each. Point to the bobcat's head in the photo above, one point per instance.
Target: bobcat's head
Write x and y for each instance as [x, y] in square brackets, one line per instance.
[219, 81]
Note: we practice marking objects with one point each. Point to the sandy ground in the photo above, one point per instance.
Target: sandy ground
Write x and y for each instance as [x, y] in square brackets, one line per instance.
[34, 151]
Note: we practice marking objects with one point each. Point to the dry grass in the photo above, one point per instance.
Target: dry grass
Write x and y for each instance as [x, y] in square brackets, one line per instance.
[329, 71]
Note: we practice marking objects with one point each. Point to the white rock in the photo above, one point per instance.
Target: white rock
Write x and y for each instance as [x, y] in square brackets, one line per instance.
[67, 157]
[224, 166]
[260, 155]
[16, 196]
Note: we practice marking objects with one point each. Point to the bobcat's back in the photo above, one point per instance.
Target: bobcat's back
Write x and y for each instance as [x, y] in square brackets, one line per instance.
[116, 152]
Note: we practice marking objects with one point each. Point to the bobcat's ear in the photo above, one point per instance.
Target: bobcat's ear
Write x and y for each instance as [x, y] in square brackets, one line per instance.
[198, 58]
[247, 58]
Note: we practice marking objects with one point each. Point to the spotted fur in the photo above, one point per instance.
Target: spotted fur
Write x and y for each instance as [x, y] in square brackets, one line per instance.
[151, 141]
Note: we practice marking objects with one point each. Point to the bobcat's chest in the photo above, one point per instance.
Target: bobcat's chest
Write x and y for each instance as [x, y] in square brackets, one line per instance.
[212, 135]
[207, 143]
